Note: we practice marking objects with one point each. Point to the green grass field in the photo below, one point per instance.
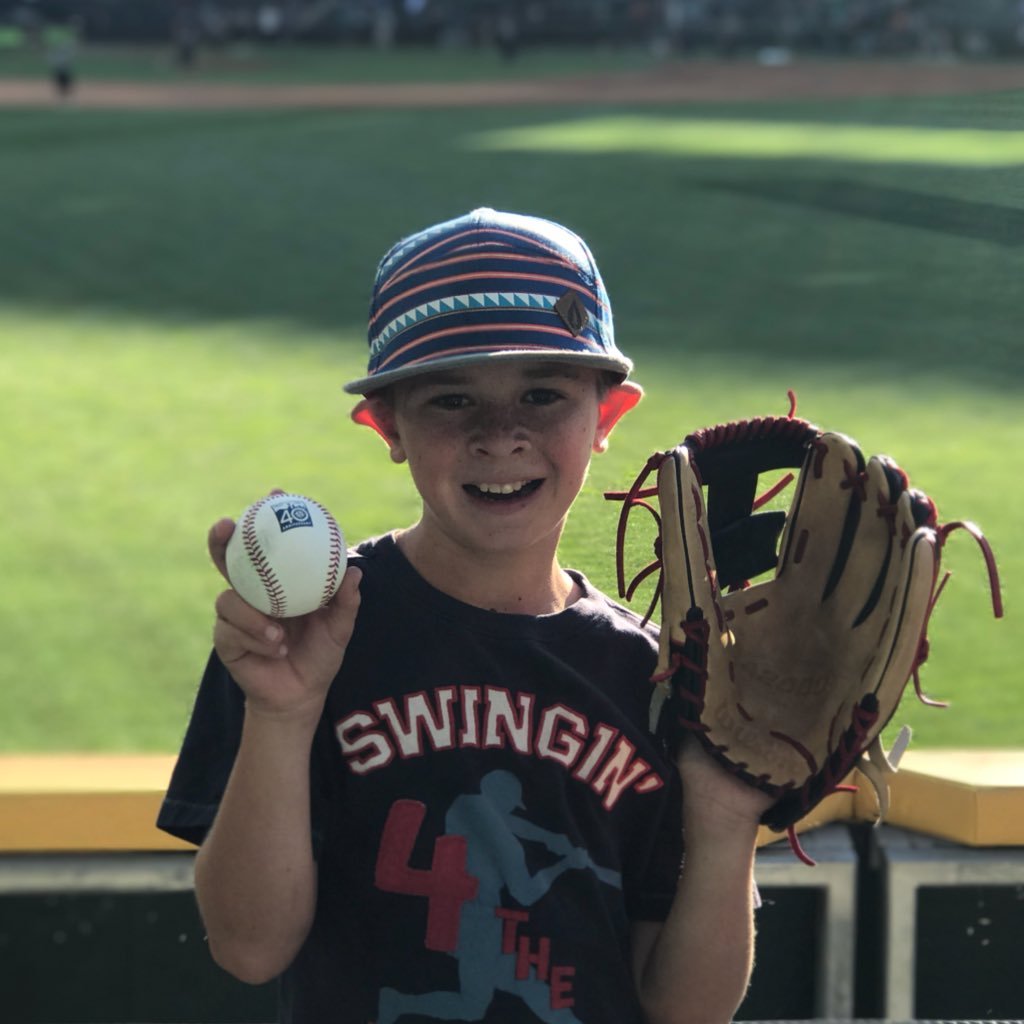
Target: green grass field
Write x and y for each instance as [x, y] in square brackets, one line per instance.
[184, 293]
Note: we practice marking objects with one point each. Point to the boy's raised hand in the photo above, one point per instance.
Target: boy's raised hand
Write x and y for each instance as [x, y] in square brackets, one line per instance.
[284, 666]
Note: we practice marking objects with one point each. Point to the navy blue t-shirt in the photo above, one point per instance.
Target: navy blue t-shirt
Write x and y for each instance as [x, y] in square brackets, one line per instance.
[490, 812]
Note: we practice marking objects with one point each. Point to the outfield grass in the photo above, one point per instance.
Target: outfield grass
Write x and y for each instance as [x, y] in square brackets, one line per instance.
[184, 293]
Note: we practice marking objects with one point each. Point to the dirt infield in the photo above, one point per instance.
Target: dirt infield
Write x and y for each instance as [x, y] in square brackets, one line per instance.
[678, 83]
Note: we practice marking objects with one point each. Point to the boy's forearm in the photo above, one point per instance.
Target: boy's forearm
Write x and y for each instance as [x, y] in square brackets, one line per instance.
[255, 873]
[699, 967]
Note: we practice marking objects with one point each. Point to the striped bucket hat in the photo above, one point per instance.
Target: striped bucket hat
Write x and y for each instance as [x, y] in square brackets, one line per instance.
[488, 285]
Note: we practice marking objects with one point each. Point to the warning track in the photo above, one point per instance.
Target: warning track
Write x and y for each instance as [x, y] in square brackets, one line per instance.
[699, 82]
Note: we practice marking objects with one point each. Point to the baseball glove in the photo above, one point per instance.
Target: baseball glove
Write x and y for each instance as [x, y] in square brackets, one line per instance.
[790, 679]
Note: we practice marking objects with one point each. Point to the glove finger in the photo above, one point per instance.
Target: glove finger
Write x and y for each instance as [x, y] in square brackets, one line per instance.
[692, 622]
[816, 542]
[906, 605]
[689, 564]
[884, 647]
[872, 563]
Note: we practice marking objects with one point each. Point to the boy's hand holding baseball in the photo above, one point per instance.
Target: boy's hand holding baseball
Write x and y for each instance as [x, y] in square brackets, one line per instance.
[284, 666]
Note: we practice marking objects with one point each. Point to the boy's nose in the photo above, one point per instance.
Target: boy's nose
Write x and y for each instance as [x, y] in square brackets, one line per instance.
[499, 433]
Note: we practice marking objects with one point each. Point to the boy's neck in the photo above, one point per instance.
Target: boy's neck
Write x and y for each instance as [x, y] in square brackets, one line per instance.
[514, 583]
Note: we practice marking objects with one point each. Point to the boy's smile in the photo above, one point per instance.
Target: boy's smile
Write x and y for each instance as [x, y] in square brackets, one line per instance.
[504, 492]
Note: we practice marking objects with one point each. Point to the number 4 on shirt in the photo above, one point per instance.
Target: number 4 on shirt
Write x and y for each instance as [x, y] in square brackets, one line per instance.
[446, 884]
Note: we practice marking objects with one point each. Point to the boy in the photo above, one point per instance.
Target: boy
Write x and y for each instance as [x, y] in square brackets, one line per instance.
[437, 798]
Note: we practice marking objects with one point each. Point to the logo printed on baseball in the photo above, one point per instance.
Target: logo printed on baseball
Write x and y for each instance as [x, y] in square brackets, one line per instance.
[292, 514]
[280, 570]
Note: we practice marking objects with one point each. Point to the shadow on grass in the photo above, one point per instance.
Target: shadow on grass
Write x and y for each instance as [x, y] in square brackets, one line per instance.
[963, 218]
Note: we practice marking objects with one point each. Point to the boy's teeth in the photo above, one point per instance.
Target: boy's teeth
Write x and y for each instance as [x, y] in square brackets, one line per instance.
[501, 488]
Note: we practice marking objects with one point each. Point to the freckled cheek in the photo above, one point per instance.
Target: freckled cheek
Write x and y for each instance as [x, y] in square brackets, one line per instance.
[430, 462]
[579, 436]
[430, 439]
[573, 451]
[436, 460]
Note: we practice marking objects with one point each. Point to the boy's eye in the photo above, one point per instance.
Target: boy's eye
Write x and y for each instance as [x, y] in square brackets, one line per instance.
[449, 401]
[541, 396]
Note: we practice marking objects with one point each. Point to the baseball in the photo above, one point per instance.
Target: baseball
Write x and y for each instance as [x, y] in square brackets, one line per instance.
[286, 556]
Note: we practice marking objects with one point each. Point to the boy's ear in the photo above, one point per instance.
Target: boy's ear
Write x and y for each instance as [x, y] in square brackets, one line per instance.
[377, 414]
[613, 406]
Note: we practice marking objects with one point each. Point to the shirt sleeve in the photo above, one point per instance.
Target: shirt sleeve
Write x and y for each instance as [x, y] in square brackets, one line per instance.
[207, 755]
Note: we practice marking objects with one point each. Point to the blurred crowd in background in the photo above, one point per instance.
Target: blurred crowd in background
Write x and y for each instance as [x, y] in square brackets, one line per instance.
[724, 27]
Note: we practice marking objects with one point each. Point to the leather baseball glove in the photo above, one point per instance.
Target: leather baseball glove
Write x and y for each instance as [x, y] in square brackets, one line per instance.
[789, 636]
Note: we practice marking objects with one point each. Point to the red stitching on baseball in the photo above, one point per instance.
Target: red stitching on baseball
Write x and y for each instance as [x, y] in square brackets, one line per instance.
[271, 585]
[334, 555]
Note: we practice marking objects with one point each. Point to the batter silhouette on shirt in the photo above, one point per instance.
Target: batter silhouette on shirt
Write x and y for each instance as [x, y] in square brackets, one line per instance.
[489, 835]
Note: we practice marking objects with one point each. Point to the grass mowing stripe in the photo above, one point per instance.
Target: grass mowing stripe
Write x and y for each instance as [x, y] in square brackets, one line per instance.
[760, 140]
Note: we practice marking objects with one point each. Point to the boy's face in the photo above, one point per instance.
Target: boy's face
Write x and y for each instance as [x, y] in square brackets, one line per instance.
[499, 451]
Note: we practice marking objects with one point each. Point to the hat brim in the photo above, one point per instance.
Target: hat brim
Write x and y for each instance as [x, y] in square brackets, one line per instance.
[616, 364]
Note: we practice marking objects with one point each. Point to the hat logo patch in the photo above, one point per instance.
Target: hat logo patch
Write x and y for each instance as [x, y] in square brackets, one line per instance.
[572, 313]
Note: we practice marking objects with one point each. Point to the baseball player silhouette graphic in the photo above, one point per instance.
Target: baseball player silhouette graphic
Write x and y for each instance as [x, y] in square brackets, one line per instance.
[489, 958]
